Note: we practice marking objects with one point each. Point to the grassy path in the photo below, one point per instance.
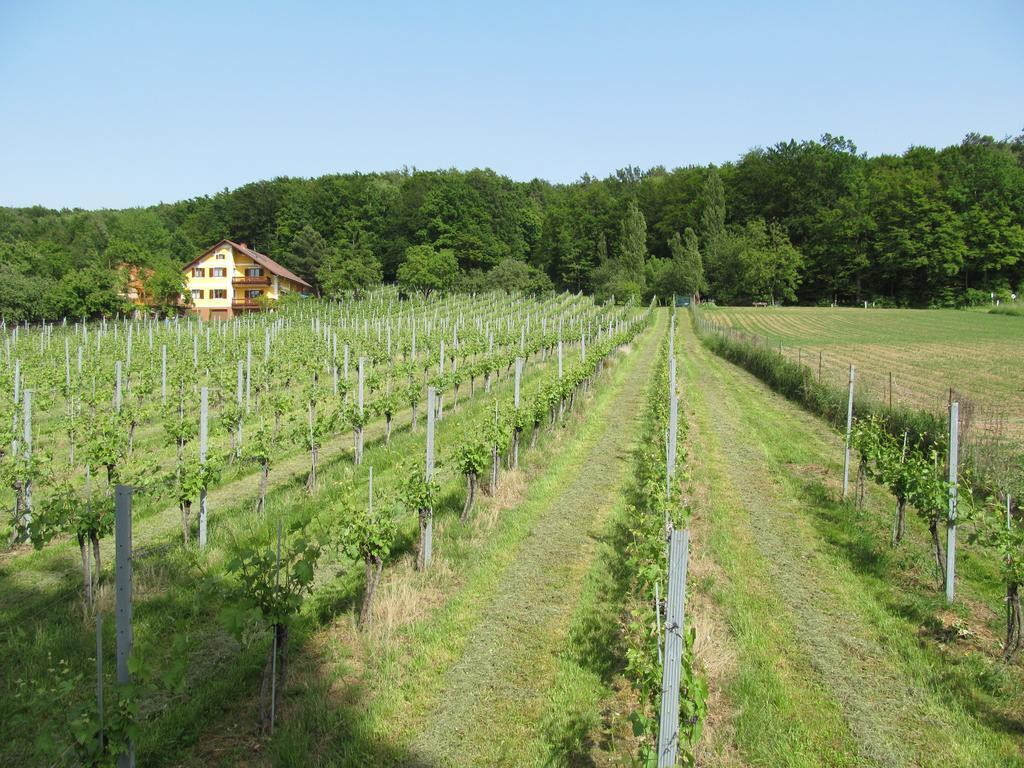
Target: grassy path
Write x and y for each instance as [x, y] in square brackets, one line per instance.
[468, 681]
[489, 708]
[829, 669]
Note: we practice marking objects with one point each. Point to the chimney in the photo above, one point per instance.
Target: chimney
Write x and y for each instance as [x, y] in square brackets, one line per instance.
[243, 245]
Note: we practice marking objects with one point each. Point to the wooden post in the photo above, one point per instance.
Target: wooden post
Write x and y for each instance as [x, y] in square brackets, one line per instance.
[954, 457]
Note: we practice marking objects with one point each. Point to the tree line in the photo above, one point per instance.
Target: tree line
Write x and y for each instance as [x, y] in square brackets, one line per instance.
[801, 221]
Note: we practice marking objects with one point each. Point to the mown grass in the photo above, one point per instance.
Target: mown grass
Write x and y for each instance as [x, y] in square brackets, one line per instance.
[466, 680]
[587, 718]
[927, 352]
[172, 594]
[845, 653]
[1007, 310]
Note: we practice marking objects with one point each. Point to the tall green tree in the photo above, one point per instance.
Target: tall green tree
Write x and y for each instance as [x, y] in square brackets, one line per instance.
[683, 273]
[691, 263]
[712, 215]
[164, 286]
[771, 265]
[426, 270]
[712, 221]
[624, 276]
[631, 249]
[351, 266]
[308, 251]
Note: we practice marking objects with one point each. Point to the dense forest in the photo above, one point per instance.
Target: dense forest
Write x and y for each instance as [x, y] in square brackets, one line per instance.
[810, 222]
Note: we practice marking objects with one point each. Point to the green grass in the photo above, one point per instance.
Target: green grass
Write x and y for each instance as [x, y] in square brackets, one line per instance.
[470, 682]
[844, 654]
[1013, 311]
[43, 621]
[824, 647]
[927, 352]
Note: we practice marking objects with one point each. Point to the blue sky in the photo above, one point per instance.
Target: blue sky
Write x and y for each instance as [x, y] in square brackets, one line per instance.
[115, 104]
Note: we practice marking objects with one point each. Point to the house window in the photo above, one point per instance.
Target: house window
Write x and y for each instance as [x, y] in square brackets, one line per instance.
[198, 272]
[253, 272]
[219, 272]
[197, 293]
[219, 293]
[254, 294]
[220, 255]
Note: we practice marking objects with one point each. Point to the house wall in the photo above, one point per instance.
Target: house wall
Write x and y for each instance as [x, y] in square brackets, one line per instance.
[220, 257]
[235, 264]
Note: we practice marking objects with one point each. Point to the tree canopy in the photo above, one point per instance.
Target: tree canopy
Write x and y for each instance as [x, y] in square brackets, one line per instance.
[426, 270]
[804, 221]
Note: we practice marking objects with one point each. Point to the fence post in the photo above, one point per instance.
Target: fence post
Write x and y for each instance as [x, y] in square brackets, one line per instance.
[26, 421]
[123, 596]
[238, 401]
[561, 400]
[273, 658]
[428, 532]
[163, 373]
[675, 607]
[849, 428]
[99, 676]
[248, 375]
[362, 382]
[204, 413]
[519, 376]
[954, 457]
[673, 427]
[117, 386]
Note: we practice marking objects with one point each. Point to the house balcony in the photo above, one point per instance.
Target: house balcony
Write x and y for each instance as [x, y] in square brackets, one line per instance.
[245, 303]
[251, 282]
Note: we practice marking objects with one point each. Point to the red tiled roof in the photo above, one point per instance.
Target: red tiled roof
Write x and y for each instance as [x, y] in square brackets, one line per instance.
[259, 258]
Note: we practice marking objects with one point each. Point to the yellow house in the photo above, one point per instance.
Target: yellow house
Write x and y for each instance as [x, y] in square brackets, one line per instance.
[231, 278]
